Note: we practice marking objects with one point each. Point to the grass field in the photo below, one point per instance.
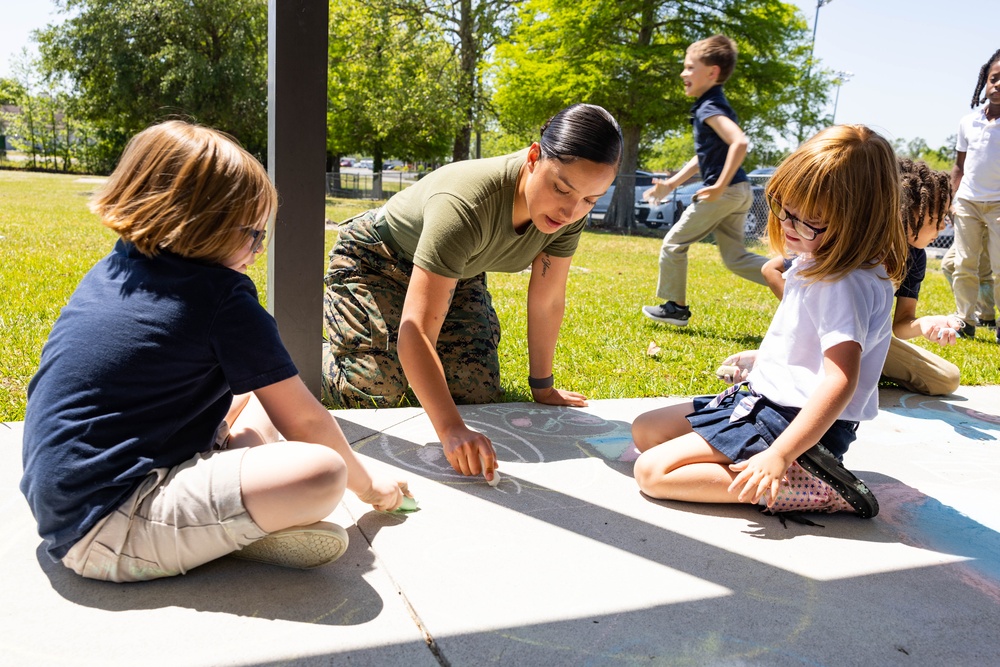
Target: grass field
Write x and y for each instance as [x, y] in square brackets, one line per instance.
[48, 240]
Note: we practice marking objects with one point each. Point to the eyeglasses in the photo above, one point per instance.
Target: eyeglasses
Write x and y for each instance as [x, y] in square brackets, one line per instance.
[802, 228]
[257, 237]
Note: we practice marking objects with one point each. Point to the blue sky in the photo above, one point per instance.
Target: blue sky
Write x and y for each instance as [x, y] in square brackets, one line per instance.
[915, 62]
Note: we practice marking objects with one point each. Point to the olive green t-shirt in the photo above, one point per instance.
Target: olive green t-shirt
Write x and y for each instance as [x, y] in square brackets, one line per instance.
[458, 221]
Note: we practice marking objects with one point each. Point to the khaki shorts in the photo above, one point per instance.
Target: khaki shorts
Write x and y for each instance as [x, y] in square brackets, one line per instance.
[178, 518]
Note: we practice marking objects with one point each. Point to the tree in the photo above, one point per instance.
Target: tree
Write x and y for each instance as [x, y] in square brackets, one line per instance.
[10, 91]
[134, 62]
[474, 28]
[390, 84]
[26, 125]
[626, 55]
[917, 149]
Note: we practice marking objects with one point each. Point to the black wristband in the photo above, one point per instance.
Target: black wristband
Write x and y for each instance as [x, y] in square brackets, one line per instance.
[541, 383]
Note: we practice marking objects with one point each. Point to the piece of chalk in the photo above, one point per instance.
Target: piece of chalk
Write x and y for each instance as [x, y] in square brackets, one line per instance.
[728, 373]
[409, 505]
[496, 475]
[948, 329]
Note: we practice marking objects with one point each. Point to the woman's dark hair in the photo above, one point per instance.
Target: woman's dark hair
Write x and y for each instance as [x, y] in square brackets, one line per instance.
[583, 131]
[984, 72]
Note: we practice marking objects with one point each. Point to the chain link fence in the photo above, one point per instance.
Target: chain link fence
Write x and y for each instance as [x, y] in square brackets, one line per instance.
[368, 185]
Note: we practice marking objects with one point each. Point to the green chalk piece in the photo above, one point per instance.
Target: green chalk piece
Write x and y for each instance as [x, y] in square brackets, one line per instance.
[409, 505]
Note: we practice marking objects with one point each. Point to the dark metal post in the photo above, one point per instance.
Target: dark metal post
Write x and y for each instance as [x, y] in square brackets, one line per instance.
[296, 159]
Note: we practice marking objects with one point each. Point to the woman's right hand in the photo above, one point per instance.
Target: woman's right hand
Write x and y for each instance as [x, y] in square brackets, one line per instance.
[464, 447]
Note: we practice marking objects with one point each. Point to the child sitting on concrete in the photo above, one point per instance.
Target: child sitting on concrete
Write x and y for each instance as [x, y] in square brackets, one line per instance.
[139, 461]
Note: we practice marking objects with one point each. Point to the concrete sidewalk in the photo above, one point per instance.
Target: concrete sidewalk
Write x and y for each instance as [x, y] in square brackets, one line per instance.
[565, 563]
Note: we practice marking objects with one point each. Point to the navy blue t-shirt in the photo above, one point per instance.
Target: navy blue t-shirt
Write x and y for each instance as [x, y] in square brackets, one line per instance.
[916, 269]
[138, 372]
[709, 146]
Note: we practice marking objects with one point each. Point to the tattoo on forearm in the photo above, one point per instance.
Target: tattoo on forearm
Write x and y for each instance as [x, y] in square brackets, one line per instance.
[546, 263]
[451, 297]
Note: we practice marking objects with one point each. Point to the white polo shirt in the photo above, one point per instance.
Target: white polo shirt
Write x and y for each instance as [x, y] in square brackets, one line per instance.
[979, 139]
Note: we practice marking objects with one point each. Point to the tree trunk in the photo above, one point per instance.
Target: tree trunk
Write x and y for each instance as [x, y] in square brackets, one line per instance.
[468, 62]
[377, 157]
[621, 212]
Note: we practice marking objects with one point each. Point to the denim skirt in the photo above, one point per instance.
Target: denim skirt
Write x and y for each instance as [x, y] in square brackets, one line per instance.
[742, 423]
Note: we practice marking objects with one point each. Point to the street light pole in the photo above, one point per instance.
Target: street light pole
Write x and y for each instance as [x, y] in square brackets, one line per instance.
[842, 78]
[809, 63]
[812, 46]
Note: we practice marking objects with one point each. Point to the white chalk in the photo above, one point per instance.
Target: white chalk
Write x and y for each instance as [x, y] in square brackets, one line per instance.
[496, 475]
[728, 373]
[948, 329]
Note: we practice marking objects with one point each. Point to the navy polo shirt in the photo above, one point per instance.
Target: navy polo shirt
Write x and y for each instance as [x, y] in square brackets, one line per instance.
[138, 372]
[916, 269]
[709, 146]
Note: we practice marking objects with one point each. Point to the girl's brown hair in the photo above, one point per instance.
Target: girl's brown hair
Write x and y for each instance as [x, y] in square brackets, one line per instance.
[186, 189]
[847, 177]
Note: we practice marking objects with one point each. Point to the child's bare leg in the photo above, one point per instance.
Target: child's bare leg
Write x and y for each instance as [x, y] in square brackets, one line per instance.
[657, 426]
[249, 425]
[685, 468]
[284, 484]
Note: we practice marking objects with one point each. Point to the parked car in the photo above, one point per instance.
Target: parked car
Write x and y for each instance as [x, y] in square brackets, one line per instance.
[756, 221]
[654, 215]
[681, 198]
[762, 171]
[642, 182]
[601, 207]
[346, 162]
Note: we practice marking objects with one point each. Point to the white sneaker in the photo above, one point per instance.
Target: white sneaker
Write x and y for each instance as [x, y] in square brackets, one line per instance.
[302, 547]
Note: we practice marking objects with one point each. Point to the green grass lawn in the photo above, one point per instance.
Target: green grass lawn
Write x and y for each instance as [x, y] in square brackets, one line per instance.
[48, 240]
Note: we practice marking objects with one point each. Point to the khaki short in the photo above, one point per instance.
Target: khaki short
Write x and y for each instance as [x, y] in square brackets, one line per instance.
[178, 518]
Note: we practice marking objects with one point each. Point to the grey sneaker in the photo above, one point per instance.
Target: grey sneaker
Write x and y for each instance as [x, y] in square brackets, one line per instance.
[668, 313]
[303, 547]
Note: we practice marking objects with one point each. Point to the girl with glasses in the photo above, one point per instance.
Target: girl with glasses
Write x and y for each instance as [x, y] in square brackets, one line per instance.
[167, 425]
[777, 438]
[924, 204]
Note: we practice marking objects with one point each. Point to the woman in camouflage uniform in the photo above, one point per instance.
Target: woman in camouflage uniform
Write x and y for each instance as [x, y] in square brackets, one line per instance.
[406, 302]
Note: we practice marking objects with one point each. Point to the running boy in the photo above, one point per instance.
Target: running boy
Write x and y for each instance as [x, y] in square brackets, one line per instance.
[139, 462]
[721, 206]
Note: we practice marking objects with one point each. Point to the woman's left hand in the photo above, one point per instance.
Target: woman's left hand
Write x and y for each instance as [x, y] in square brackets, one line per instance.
[761, 472]
[553, 396]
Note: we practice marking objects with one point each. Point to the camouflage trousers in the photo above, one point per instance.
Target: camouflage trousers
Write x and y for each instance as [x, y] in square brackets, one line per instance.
[362, 305]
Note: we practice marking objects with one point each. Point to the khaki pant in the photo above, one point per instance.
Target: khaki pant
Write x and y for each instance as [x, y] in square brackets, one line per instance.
[977, 230]
[985, 306]
[918, 370]
[725, 218]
